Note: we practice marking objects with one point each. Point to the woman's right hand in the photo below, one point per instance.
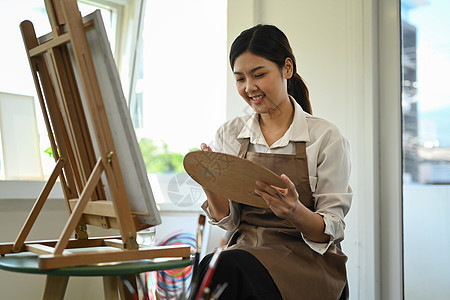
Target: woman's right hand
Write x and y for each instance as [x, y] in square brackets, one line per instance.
[219, 206]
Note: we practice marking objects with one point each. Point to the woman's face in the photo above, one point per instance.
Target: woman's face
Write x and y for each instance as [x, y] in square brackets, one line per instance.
[260, 82]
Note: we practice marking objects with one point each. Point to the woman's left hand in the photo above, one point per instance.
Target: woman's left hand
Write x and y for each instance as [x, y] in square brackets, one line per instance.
[283, 202]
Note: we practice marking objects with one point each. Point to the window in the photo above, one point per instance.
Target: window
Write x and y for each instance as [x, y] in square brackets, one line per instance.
[16, 83]
[172, 58]
[426, 147]
[178, 98]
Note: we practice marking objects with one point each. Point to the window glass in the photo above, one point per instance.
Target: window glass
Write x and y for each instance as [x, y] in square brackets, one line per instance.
[109, 16]
[426, 147]
[180, 92]
[15, 74]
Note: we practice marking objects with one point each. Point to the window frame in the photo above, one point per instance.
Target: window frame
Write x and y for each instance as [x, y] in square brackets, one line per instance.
[28, 189]
[390, 150]
[129, 27]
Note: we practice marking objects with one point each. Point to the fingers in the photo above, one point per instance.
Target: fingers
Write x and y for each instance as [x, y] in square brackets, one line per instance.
[280, 190]
[282, 198]
[283, 202]
[271, 190]
[204, 147]
[289, 184]
[275, 191]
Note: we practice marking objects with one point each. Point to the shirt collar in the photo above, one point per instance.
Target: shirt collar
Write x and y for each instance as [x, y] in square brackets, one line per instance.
[297, 132]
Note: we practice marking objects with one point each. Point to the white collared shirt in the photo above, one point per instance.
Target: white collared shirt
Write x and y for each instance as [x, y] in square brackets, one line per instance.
[328, 166]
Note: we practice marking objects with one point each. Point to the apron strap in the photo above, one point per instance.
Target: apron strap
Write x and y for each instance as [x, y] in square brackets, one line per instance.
[300, 150]
[305, 193]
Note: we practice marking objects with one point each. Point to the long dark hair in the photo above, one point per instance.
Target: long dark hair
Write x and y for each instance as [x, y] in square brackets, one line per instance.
[271, 43]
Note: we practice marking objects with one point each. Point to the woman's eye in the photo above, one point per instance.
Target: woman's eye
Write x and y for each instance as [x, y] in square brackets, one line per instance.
[259, 75]
[239, 79]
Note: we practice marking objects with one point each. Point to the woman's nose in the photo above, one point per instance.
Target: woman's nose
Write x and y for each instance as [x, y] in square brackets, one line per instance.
[250, 86]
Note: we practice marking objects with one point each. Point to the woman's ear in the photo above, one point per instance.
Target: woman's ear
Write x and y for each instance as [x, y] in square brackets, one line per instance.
[288, 69]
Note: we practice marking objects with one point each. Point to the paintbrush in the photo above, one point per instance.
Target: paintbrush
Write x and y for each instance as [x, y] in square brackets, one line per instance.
[200, 227]
[219, 290]
[129, 287]
[198, 248]
[209, 274]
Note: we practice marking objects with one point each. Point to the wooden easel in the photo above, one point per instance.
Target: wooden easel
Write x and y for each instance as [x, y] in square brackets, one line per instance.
[77, 166]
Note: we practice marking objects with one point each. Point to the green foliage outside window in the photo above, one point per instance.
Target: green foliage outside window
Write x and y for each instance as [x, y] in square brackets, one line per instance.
[159, 159]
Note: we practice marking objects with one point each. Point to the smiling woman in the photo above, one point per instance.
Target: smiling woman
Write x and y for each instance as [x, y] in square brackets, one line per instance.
[261, 46]
[261, 84]
[272, 249]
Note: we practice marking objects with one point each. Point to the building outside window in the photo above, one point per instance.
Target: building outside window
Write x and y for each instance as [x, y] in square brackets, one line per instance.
[426, 148]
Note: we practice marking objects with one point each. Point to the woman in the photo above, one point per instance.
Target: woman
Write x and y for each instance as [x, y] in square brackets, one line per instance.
[290, 251]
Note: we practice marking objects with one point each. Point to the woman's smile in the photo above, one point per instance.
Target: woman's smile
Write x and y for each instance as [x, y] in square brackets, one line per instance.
[261, 83]
[257, 99]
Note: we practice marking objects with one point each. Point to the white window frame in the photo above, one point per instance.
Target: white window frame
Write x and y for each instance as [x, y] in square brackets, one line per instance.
[390, 177]
[127, 26]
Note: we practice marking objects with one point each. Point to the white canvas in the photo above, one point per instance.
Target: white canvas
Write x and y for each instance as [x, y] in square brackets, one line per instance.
[139, 192]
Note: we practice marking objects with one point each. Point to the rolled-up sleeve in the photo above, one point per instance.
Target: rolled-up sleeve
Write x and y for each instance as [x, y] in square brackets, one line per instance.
[333, 195]
[230, 222]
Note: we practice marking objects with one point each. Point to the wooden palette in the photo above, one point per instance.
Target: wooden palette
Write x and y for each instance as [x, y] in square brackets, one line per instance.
[230, 176]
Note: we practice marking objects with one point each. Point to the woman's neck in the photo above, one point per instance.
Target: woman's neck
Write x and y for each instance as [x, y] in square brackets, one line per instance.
[276, 122]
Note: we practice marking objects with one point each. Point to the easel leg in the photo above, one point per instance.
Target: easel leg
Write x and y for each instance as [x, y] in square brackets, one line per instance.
[114, 288]
[55, 287]
[121, 288]
[110, 287]
[126, 293]
[38, 206]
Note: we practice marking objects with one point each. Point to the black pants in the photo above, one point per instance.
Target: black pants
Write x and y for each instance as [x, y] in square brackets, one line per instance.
[247, 278]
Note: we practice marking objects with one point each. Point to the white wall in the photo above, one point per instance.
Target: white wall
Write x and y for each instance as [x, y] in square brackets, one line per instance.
[335, 46]
[49, 225]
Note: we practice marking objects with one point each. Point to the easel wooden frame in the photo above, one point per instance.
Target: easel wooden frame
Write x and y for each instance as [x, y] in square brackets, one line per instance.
[76, 165]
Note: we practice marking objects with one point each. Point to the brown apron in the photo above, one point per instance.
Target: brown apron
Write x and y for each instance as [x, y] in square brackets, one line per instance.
[298, 271]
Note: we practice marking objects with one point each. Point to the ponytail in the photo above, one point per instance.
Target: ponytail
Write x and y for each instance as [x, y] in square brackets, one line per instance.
[298, 89]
